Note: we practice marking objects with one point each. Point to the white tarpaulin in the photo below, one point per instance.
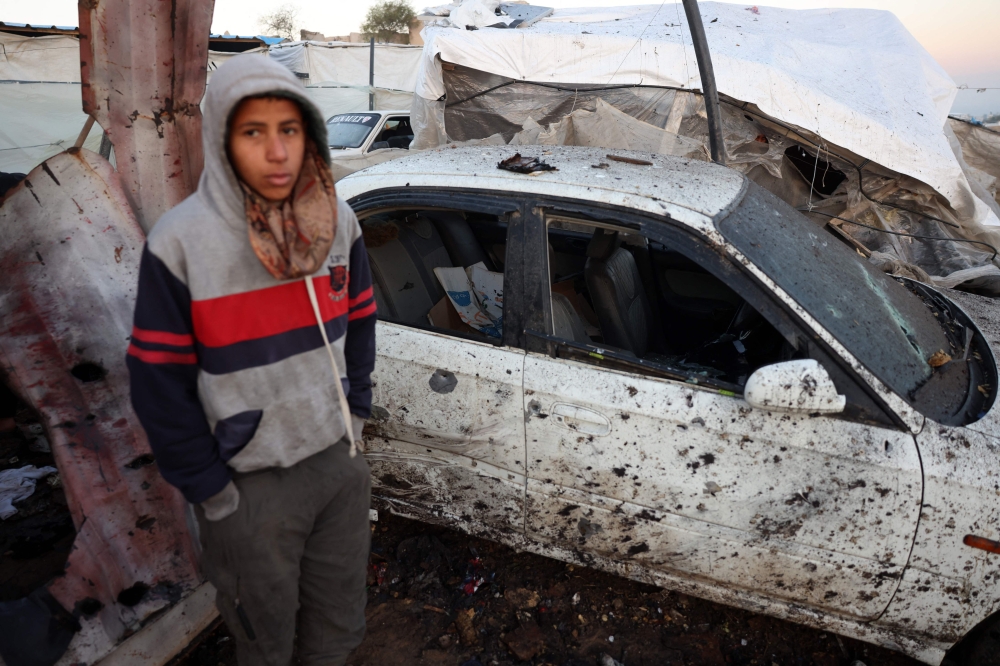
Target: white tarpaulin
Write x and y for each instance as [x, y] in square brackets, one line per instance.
[337, 73]
[854, 77]
[347, 63]
[41, 105]
[332, 98]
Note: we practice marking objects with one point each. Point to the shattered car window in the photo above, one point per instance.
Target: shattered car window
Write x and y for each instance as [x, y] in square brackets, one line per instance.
[886, 327]
[641, 299]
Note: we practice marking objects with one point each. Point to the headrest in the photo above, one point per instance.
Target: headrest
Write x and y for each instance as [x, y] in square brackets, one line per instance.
[602, 244]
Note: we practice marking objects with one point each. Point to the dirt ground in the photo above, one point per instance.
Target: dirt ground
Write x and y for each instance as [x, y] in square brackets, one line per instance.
[440, 597]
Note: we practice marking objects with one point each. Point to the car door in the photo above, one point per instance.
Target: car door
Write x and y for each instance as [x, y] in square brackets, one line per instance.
[683, 478]
[446, 436]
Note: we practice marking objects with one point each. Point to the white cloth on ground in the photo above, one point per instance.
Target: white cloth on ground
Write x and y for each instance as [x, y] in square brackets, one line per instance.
[19, 484]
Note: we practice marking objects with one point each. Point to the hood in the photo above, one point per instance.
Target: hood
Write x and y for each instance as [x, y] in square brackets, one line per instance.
[245, 76]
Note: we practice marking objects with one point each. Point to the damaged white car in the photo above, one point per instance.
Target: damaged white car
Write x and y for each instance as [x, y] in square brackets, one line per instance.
[652, 366]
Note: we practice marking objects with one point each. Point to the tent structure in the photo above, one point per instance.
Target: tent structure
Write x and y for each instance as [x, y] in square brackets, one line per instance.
[40, 100]
[336, 74]
[840, 112]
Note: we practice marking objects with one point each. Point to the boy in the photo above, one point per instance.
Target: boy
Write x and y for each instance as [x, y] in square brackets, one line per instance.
[232, 377]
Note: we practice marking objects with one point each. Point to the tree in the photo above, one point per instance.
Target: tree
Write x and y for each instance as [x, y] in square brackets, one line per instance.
[386, 18]
[281, 22]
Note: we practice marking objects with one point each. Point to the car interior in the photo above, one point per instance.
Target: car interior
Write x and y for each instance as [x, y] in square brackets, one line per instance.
[404, 248]
[645, 300]
[396, 133]
[610, 288]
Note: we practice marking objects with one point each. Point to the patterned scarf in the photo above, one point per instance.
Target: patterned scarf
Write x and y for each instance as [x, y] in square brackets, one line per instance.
[292, 238]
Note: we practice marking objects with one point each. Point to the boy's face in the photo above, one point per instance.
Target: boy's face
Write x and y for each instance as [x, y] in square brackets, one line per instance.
[266, 143]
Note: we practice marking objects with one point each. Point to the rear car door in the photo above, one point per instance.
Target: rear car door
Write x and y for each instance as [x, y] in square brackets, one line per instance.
[446, 437]
[639, 456]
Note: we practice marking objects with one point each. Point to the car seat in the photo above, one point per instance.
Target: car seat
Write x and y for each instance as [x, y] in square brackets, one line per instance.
[463, 247]
[617, 293]
[403, 254]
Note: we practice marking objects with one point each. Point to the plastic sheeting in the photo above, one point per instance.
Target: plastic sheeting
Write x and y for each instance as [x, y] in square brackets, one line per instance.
[981, 150]
[607, 127]
[332, 98]
[396, 65]
[40, 100]
[855, 77]
[673, 122]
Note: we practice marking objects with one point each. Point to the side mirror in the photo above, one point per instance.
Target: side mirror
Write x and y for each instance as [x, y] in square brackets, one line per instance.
[802, 387]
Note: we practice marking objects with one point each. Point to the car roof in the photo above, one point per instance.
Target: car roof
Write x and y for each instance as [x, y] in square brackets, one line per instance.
[665, 185]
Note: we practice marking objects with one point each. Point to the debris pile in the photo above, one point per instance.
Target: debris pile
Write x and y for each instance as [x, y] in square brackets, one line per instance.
[36, 531]
[436, 596]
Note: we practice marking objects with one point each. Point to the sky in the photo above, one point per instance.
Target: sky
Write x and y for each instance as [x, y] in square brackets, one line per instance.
[960, 34]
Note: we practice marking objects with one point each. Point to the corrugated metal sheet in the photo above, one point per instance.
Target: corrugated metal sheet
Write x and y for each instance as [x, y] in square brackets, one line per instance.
[143, 67]
[70, 259]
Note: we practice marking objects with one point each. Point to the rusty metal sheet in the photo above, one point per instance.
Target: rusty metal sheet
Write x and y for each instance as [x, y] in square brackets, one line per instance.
[143, 69]
[70, 258]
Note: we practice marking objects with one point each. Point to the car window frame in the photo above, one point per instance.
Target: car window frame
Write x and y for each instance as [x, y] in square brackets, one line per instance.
[698, 248]
[512, 206]
[381, 128]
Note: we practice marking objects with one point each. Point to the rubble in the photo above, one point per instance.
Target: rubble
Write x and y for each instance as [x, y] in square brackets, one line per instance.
[528, 613]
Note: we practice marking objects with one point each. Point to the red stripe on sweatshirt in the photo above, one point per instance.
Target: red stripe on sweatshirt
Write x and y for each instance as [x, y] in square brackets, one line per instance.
[161, 357]
[360, 298]
[362, 313]
[162, 337]
[252, 315]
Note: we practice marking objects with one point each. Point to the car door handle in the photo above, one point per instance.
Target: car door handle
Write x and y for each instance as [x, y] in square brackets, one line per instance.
[581, 419]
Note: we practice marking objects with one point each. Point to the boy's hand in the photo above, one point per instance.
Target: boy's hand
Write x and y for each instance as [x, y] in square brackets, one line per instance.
[357, 427]
[222, 504]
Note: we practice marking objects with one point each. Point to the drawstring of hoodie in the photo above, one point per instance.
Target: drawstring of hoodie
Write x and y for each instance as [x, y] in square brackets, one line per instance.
[341, 398]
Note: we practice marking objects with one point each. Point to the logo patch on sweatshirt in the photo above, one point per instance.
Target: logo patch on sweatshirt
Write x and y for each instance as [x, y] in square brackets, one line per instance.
[338, 282]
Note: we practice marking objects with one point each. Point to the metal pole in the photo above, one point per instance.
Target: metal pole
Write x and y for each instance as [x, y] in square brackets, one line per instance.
[711, 93]
[371, 76]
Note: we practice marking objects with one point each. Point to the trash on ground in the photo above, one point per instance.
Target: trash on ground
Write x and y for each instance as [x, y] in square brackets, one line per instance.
[526, 641]
[466, 630]
[938, 359]
[522, 598]
[519, 164]
[629, 160]
[19, 484]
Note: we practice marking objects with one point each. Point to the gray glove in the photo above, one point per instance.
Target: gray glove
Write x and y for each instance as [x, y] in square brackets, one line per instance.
[223, 503]
[357, 427]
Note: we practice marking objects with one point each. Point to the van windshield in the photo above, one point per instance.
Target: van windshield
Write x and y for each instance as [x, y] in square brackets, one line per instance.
[349, 130]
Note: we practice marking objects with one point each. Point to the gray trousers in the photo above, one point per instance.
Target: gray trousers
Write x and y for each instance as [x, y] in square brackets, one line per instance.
[297, 545]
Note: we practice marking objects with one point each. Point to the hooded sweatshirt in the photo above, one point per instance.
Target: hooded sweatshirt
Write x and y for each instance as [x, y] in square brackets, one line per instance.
[228, 367]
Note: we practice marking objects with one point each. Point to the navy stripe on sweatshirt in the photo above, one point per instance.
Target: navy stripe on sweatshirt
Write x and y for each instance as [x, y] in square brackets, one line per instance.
[164, 384]
[359, 346]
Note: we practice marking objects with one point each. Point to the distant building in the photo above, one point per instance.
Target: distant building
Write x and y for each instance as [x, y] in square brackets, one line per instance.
[413, 37]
